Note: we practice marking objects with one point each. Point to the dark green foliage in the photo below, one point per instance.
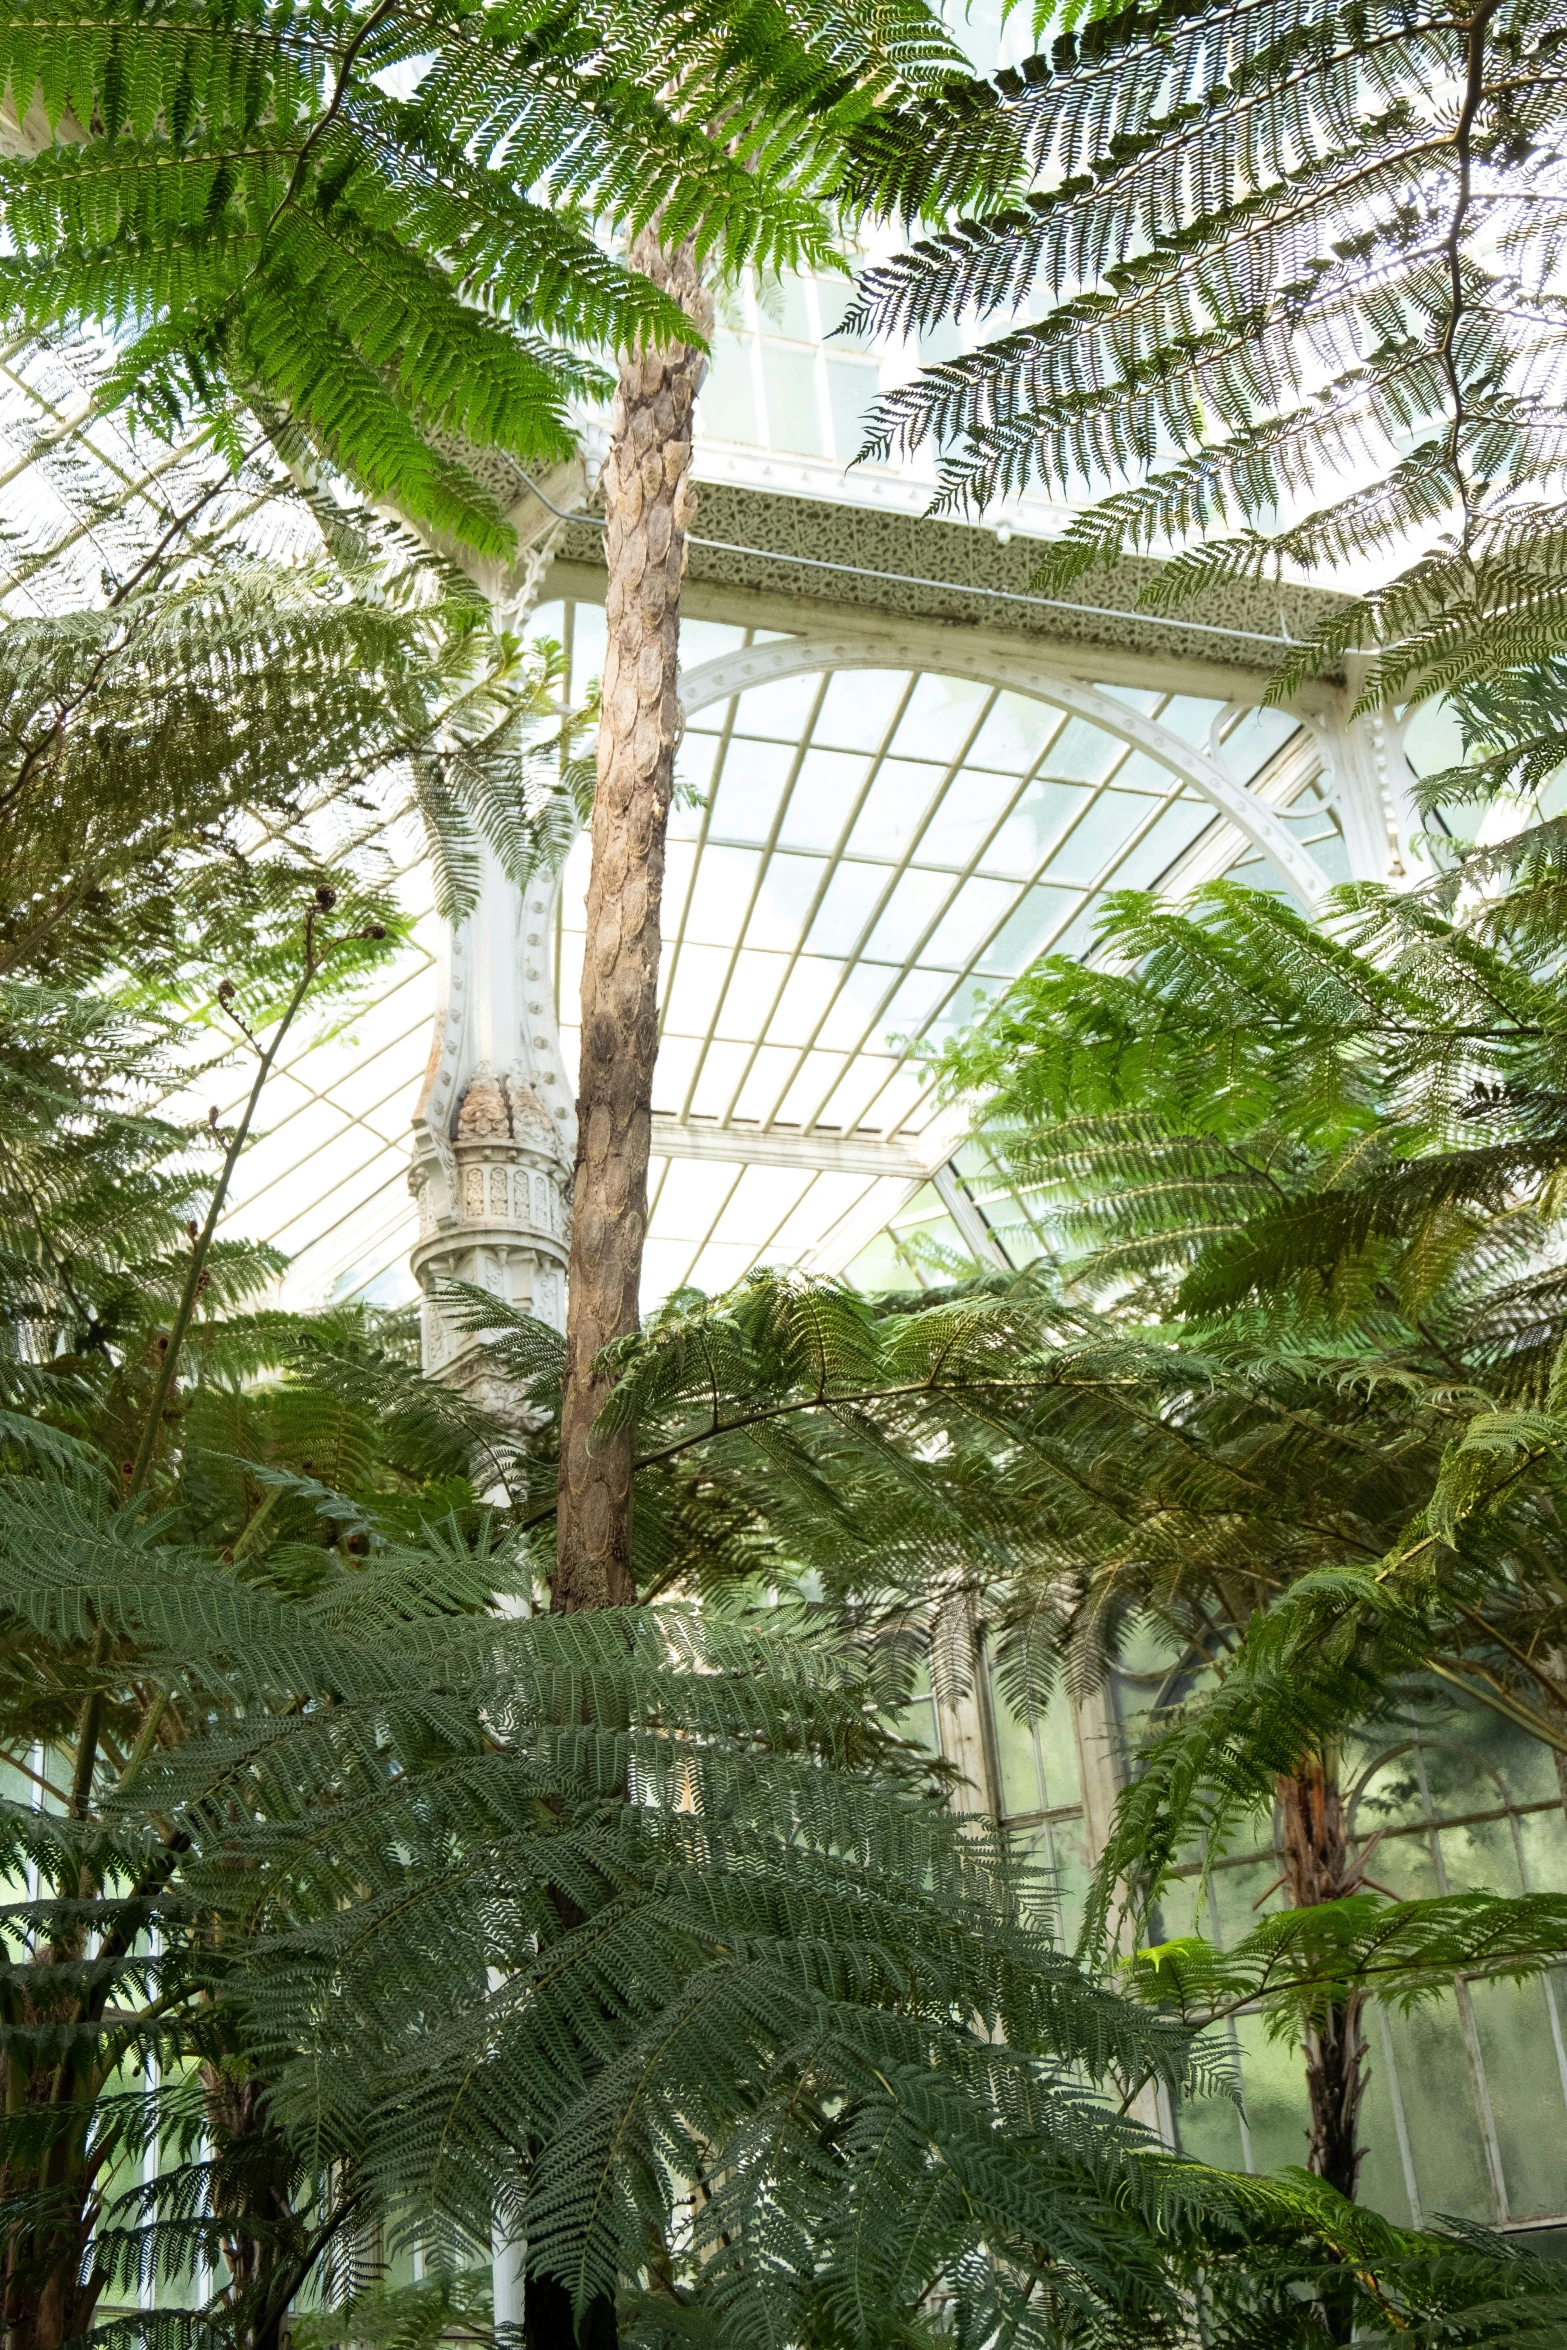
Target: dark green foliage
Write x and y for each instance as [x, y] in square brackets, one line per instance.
[793, 1427]
[452, 2306]
[722, 1947]
[701, 1935]
[639, 1930]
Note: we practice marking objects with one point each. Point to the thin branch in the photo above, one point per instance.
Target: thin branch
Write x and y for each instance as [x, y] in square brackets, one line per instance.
[313, 963]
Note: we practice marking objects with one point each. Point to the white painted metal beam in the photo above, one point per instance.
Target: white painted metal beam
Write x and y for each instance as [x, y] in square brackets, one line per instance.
[904, 647]
[781, 1146]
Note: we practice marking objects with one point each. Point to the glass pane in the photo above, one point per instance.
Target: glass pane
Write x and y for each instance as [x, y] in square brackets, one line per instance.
[777, 710]
[1523, 2077]
[941, 717]
[1273, 2083]
[823, 800]
[1022, 1788]
[1040, 817]
[895, 806]
[1209, 2129]
[1437, 2089]
[1083, 752]
[850, 903]
[1016, 734]
[782, 307]
[789, 887]
[793, 419]
[979, 908]
[1384, 2183]
[806, 994]
[723, 883]
[1057, 1735]
[1174, 833]
[1106, 826]
[1255, 739]
[971, 807]
[860, 707]
[917, 1722]
[746, 801]
[852, 385]
[1073, 1873]
[1026, 930]
[834, 296]
[727, 410]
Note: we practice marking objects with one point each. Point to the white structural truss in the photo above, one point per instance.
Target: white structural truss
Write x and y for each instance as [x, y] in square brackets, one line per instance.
[886, 821]
[883, 823]
[820, 652]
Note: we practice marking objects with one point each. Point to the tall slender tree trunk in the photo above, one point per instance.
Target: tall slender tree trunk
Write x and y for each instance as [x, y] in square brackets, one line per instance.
[45, 2299]
[1317, 1868]
[647, 494]
[647, 489]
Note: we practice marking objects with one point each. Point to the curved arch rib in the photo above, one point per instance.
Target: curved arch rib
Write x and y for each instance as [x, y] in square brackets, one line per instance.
[818, 649]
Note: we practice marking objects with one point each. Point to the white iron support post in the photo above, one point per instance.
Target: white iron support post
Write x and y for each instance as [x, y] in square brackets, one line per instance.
[495, 1130]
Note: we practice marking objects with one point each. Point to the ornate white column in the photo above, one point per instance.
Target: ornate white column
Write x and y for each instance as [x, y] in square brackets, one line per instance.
[495, 1129]
[494, 1133]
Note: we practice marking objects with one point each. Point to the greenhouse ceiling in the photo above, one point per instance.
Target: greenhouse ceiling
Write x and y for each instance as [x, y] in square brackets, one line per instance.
[889, 810]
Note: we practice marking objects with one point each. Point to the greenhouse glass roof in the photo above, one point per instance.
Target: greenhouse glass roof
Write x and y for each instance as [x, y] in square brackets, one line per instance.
[866, 848]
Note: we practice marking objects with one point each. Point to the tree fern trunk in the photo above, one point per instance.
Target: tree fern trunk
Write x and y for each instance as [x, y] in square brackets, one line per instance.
[1317, 1868]
[264, 2241]
[647, 493]
[547, 2319]
[647, 504]
[44, 2298]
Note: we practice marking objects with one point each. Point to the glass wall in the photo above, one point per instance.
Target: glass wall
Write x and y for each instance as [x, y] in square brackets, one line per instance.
[1467, 2109]
[1466, 2113]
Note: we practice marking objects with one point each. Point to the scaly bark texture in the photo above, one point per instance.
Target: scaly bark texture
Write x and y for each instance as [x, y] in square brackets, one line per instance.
[49, 2197]
[647, 491]
[1317, 1868]
[266, 2242]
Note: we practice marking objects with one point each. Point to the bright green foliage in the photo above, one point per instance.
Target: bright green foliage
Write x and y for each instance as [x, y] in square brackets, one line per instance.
[1356, 1125]
[1405, 1951]
[1310, 1179]
[1330, 1162]
[392, 224]
[1276, 262]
